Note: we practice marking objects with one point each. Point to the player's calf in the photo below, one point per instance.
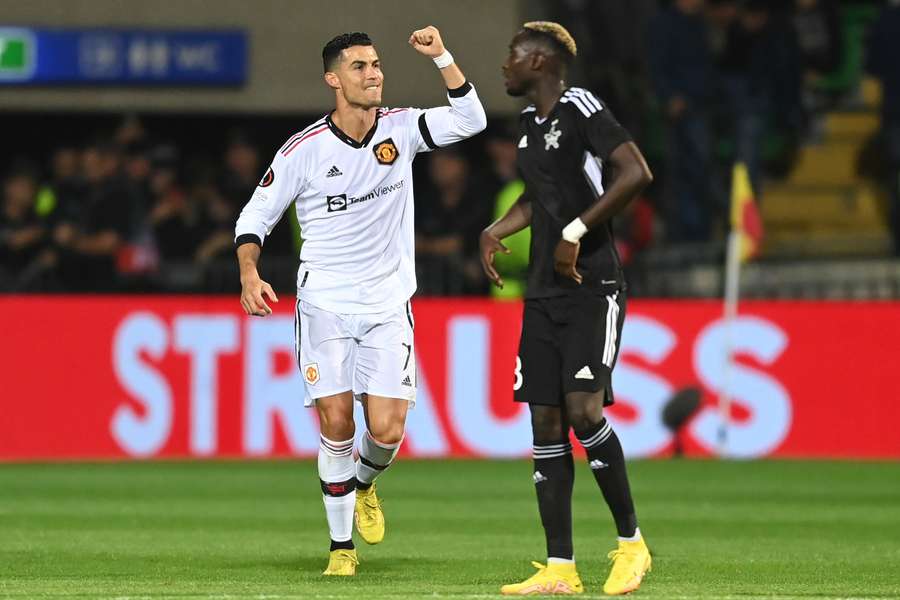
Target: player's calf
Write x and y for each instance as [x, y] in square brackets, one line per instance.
[374, 458]
[337, 474]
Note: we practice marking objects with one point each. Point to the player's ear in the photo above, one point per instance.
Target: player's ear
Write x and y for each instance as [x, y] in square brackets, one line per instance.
[331, 79]
[537, 61]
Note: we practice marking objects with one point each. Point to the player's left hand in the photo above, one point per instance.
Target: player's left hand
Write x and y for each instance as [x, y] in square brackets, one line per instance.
[564, 258]
[427, 41]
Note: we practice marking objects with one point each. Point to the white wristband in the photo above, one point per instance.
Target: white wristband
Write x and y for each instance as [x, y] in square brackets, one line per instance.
[444, 60]
[574, 231]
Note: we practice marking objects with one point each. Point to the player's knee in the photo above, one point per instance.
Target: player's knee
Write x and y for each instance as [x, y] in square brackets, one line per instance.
[546, 424]
[336, 424]
[585, 410]
[386, 431]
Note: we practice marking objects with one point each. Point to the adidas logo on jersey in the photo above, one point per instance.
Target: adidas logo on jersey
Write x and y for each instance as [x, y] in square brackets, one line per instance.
[584, 373]
[523, 143]
[538, 477]
[597, 464]
[333, 172]
[406, 381]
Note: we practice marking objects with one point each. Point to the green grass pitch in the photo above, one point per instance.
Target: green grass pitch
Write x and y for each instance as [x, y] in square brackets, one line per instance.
[459, 529]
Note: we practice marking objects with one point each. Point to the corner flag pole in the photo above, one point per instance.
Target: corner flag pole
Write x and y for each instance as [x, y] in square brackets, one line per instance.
[732, 292]
[744, 241]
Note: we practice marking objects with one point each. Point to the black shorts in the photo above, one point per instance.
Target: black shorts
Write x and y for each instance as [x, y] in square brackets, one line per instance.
[568, 344]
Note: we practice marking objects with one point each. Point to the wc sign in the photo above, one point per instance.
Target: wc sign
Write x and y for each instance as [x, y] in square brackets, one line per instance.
[17, 54]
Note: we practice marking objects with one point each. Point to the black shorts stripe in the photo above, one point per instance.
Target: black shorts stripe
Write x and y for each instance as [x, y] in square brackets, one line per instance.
[409, 318]
[297, 331]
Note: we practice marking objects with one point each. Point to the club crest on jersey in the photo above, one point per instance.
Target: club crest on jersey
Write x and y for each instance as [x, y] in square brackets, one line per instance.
[386, 152]
[268, 178]
[551, 138]
[311, 373]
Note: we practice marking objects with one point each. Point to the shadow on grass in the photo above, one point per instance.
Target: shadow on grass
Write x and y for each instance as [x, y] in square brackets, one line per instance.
[314, 564]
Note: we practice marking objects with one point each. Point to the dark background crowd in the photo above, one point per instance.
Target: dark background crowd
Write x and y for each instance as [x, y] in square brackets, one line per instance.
[119, 203]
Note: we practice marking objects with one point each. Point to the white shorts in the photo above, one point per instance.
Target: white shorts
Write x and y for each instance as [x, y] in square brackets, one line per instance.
[365, 354]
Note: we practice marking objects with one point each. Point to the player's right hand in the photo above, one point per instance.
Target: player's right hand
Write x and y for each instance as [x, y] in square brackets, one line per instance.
[427, 41]
[252, 290]
[489, 245]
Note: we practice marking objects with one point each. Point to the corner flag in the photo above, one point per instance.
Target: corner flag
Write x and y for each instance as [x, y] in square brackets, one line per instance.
[745, 219]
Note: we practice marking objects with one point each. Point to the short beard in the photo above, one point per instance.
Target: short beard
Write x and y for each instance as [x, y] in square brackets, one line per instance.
[363, 103]
[366, 105]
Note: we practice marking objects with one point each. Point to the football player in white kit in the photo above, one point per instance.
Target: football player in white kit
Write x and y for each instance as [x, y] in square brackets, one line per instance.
[349, 175]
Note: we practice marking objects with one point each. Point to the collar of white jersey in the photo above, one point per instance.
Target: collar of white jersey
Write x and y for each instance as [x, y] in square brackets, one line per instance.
[338, 132]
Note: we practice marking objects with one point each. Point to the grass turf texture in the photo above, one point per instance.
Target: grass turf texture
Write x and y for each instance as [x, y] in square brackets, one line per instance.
[455, 529]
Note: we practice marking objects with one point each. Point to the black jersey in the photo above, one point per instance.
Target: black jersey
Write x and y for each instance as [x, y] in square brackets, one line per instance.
[561, 159]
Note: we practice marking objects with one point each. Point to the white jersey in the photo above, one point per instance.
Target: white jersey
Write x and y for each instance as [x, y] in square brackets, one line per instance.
[354, 202]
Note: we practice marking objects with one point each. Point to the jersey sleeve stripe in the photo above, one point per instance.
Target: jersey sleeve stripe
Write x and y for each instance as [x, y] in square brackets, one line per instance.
[426, 135]
[591, 99]
[297, 136]
[577, 102]
[305, 137]
[593, 172]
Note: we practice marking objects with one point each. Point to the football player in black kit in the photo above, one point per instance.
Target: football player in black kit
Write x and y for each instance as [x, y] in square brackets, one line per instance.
[580, 169]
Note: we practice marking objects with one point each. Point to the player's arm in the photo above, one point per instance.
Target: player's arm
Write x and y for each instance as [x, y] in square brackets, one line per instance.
[607, 140]
[465, 116]
[632, 175]
[517, 218]
[259, 216]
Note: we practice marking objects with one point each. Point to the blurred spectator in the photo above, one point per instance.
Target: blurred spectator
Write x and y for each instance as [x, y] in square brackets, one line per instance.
[759, 68]
[243, 171]
[448, 223]
[884, 63]
[138, 169]
[681, 64]
[89, 242]
[130, 132]
[612, 56]
[23, 233]
[193, 225]
[820, 41]
[60, 197]
[818, 27]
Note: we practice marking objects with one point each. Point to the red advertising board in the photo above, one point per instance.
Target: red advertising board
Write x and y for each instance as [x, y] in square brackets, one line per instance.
[123, 377]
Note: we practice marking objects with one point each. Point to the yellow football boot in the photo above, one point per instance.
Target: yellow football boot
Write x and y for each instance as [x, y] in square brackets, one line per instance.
[368, 515]
[555, 578]
[342, 562]
[630, 562]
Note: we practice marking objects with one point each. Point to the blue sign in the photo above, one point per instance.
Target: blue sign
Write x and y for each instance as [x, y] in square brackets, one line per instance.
[122, 56]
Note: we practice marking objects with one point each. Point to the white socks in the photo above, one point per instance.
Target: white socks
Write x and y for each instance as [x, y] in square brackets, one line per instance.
[374, 457]
[634, 538]
[337, 475]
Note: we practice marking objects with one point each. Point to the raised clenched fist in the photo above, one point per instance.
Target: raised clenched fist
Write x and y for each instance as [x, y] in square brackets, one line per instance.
[427, 41]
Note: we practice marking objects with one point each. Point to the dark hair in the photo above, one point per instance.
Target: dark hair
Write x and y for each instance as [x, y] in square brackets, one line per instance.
[332, 50]
[548, 43]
